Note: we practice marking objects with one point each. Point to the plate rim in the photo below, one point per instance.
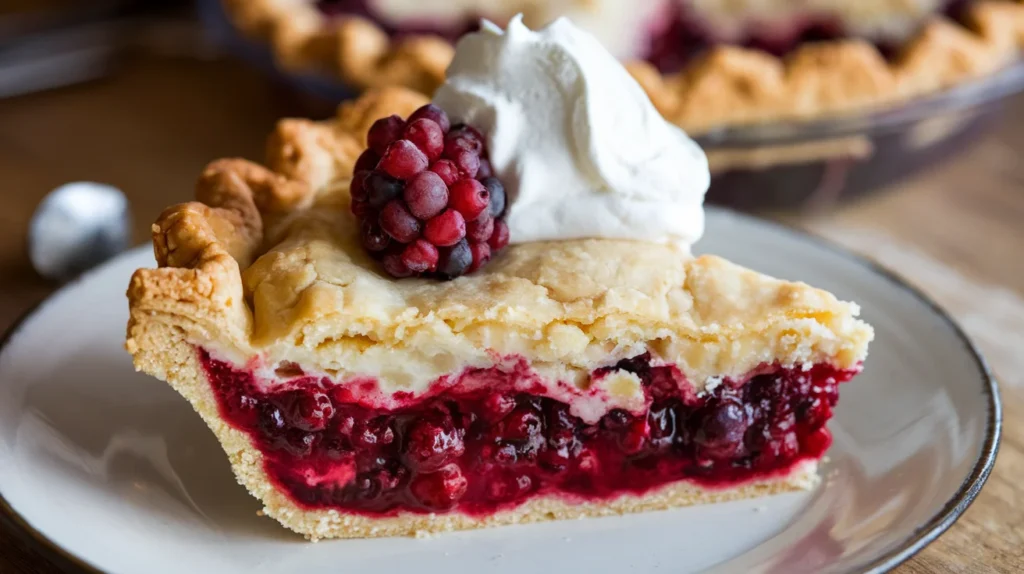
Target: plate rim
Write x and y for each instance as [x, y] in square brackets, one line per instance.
[924, 534]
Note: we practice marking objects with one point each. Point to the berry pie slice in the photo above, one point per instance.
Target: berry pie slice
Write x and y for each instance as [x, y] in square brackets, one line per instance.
[403, 326]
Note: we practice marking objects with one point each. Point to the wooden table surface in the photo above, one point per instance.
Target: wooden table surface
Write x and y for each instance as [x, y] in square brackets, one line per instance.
[151, 128]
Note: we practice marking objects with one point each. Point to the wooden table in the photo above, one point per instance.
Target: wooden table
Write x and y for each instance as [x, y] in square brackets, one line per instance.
[150, 130]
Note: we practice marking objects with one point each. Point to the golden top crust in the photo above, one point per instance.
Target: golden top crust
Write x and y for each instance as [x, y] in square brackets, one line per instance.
[268, 264]
[728, 86]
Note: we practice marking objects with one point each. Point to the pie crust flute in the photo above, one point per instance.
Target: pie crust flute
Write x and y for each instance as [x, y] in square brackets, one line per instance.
[726, 85]
[684, 380]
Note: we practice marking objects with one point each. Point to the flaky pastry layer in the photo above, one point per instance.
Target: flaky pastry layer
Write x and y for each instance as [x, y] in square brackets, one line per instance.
[268, 264]
[727, 86]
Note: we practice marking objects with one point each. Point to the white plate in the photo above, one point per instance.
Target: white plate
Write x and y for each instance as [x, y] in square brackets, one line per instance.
[113, 472]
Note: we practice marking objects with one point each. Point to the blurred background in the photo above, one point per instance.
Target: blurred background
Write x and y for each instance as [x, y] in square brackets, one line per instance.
[141, 94]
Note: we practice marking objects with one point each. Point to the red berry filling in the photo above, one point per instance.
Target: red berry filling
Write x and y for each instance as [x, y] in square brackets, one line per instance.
[421, 210]
[478, 449]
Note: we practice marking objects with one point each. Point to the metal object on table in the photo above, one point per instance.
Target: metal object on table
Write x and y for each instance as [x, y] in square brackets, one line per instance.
[76, 227]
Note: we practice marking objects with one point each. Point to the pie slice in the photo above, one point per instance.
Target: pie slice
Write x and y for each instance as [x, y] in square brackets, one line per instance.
[563, 379]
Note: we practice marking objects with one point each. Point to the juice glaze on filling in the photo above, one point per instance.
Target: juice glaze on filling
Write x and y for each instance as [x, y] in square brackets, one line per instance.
[492, 448]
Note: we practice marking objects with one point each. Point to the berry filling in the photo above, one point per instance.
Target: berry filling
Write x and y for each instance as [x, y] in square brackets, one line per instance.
[477, 449]
[425, 197]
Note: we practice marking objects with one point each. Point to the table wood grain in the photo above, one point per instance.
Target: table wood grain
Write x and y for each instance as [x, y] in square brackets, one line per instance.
[150, 129]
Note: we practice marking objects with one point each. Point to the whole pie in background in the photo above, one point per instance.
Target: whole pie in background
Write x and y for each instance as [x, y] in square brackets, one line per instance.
[484, 310]
[706, 64]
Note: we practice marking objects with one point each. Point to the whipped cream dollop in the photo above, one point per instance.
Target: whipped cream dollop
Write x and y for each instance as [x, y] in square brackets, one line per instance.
[580, 148]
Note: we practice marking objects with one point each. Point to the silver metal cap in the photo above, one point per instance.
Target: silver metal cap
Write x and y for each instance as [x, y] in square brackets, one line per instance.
[76, 227]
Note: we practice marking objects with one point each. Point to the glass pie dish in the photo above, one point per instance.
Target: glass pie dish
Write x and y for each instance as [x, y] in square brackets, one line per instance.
[815, 164]
[790, 165]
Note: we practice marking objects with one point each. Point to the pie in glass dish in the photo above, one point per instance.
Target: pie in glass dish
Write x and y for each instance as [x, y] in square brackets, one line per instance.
[706, 64]
[483, 310]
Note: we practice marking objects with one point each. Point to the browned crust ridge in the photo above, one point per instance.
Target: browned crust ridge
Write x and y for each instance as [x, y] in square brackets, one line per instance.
[727, 86]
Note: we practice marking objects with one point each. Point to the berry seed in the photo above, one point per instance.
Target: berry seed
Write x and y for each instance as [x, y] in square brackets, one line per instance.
[396, 220]
[455, 260]
[481, 228]
[374, 238]
[420, 256]
[357, 189]
[362, 210]
[499, 238]
[447, 169]
[381, 189]
[433, 113]
[465, 138]
[470, 198]
[467, 162]
[485, 170]
[481, 255]
[446, 229]
[497, 191]
[426, 195]
[427, 136]
[383, 132]
[367, 161]
[394, 265]
[403, 160]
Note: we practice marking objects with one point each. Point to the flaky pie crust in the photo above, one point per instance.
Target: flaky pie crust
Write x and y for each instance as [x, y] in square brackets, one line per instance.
[265, 267]
[728, 86]
[268, 263]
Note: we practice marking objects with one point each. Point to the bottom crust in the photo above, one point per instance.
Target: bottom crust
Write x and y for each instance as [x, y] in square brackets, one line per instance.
[333, 524]
[178, 364]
